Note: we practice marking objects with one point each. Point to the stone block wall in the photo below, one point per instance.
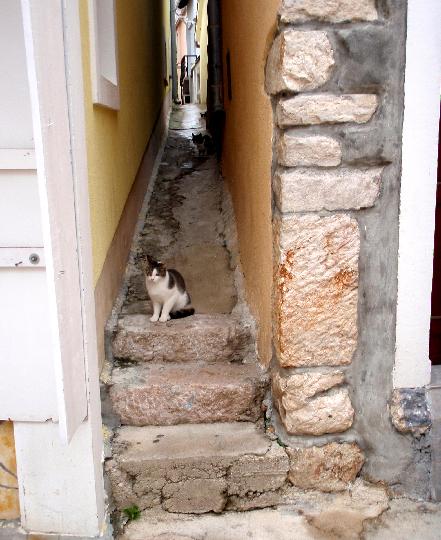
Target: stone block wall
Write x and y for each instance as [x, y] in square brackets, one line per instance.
[335, 74]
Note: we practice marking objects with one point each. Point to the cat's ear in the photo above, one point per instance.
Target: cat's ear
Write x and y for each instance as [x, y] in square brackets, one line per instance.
[151, 260]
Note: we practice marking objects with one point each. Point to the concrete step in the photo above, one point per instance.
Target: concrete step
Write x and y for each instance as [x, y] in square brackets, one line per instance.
[208, 338]
[167, 394]
[196, 468]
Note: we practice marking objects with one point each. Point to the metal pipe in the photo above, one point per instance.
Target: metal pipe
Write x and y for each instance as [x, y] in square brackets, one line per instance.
[215, 106]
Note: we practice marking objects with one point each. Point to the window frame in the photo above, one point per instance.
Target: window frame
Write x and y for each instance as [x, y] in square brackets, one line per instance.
[104, 91]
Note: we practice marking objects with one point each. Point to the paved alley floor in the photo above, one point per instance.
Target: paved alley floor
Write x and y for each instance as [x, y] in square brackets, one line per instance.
[184, 226]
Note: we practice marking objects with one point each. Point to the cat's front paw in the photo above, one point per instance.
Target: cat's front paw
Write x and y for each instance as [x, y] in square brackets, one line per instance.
[154, 318]
[164, 319]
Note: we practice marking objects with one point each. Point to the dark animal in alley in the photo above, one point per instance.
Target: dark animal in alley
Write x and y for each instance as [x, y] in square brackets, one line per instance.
[204, 143]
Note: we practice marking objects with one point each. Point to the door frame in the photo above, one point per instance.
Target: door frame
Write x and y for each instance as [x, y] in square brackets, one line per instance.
[60, 467]
[422, 85]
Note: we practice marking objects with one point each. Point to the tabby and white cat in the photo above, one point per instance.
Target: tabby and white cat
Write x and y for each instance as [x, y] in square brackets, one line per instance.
[166, 288]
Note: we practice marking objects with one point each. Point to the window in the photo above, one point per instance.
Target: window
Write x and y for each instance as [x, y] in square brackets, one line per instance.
[103, 53]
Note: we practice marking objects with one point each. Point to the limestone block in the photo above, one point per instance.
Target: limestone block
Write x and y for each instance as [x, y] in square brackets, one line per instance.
[326, 468]
[316, 289]
[297, 11]
[298, 151]
[195, 496]
[326, 109]
[299, 60]
[312, 189]
[305, 408]
[294, 391]
[409, 411]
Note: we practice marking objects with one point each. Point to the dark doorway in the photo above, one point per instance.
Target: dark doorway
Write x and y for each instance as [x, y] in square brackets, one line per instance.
[435, 322]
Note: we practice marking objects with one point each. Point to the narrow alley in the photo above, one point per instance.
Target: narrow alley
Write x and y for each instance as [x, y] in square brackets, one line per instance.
[200, 371]
[183, 399]
[284, 159]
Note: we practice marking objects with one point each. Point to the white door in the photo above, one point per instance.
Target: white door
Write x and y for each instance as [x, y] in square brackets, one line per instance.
[42, 329]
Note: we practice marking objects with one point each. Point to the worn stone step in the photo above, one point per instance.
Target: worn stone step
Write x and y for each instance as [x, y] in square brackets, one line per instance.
[166, 394]
[208, 338]
[195, 468]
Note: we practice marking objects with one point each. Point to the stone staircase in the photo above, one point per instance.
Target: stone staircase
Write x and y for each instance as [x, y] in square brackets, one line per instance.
[188, 441]
[184, 398]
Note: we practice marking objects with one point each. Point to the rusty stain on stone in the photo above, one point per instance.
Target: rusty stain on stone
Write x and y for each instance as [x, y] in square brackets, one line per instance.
[315, 315]
[9, 506]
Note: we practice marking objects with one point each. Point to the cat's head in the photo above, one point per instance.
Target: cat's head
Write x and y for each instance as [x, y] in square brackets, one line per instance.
[154, 270]
[198, 138]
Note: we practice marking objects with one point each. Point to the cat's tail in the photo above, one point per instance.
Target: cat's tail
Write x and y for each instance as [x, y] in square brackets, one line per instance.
[181, 313]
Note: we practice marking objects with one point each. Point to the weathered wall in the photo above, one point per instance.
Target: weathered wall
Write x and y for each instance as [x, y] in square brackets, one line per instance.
[116, 140]
[247, 32]
[335, 72]
[202, 39]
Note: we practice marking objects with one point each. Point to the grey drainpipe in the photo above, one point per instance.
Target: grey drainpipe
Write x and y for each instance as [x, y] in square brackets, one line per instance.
[215, 106]
[174, 70]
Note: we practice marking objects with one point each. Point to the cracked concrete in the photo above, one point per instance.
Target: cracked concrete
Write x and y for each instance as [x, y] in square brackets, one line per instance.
[365, 513]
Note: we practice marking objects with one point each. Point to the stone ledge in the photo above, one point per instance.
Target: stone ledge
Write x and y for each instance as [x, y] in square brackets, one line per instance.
[335, 11]
[167, 394]
[328, 468]
[303, 151]
[307, 407]
[326, 109]
[194, 468]
[299, 60]
[316, 289]
[312, 189]
[207, 338]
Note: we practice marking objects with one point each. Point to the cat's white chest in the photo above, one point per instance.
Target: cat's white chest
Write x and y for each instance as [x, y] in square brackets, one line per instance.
[158, 290]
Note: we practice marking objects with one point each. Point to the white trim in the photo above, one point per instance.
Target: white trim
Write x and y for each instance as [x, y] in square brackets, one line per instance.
[17, 158]
[105, 90]
[61, 486]
[418, 191]
[45, 58]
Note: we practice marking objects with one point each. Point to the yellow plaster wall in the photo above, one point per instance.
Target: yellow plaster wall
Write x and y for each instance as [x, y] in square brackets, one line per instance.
[116, 140]
[248, 30]
[9, 506]
[202, 39]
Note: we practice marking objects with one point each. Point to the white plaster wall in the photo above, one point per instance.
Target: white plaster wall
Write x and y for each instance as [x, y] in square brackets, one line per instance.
[418, 191]
[15, 105]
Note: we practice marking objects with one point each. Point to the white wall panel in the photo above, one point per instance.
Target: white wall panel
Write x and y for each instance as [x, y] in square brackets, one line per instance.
[15, 104]
[27, 385]
[20, 220]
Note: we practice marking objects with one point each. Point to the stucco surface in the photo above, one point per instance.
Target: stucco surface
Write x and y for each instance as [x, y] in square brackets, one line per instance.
[247, 155]
[116, 140]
